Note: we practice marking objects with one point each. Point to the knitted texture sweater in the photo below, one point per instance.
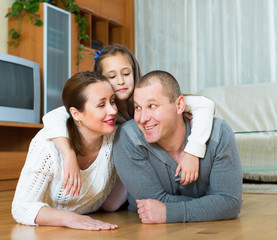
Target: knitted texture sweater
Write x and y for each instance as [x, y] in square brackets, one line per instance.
[41, 180]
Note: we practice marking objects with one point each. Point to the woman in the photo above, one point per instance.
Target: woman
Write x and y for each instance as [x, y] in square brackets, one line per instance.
[39, 198]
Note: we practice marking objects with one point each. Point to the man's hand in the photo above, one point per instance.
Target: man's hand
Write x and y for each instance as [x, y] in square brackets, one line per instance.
[151, 211]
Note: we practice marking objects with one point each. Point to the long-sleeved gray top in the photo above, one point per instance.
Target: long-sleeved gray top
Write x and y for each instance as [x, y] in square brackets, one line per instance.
[147, 171]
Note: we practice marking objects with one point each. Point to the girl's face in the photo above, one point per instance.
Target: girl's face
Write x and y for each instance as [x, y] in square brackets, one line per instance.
[99, 115]
[118, 70]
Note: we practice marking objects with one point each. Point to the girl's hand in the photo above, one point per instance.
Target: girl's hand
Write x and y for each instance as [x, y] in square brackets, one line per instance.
[72, 176]
[189, 165]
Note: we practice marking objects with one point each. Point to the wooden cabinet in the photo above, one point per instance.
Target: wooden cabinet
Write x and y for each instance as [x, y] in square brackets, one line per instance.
[110, 22]
[14, 143]
[113, 10]
[92, 5]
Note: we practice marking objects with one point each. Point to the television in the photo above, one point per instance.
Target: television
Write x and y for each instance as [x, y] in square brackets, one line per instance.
[19, 89]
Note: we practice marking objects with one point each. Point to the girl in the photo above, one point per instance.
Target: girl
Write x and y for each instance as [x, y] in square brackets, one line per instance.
[39, 198]
[119, 65]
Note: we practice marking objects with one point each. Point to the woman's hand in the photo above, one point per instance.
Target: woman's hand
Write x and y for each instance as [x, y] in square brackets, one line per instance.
[87, 223]
[63, 218]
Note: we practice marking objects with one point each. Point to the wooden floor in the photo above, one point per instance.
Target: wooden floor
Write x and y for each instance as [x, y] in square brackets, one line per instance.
[257, 220]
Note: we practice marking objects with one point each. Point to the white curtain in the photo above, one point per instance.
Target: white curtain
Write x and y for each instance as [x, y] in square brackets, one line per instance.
[206, 43]
[160, 37]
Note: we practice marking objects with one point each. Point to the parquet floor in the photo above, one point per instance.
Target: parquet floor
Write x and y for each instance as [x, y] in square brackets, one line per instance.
[257, 220]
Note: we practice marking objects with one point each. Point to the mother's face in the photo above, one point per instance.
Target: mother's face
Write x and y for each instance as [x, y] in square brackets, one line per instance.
[100, 111]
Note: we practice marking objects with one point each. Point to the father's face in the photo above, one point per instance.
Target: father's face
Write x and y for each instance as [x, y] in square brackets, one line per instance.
[154, 114]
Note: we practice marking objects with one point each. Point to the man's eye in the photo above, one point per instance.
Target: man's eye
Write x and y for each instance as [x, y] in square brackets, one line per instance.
[101, 105]
[153, 106]
[113, 101]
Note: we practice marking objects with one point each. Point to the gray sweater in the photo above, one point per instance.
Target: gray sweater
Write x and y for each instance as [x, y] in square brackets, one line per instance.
[147, 171]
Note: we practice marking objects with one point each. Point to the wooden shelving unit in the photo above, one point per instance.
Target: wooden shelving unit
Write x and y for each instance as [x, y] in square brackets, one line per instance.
[14, 143]
[110, 21]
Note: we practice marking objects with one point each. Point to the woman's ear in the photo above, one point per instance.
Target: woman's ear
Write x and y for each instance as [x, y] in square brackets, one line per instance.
[75, 114]
[180, 104]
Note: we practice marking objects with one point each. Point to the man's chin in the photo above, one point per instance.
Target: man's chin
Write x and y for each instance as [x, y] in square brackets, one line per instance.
[150, 139]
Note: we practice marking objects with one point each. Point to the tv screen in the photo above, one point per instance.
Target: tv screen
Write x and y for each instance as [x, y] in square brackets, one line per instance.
[19, 89]
[17, 86]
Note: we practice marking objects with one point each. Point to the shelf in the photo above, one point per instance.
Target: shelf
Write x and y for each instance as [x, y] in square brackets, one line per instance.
[21, 125]
[11, 164]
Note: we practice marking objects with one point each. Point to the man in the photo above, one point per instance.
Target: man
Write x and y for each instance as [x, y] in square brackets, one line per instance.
[147, 151]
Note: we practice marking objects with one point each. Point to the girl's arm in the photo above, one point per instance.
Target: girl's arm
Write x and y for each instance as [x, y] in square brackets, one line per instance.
[202, 110]
[55, 123]
[56, 131]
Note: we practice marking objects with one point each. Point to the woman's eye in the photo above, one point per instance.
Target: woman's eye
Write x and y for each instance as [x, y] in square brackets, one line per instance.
[153, 106]
[137, 108]
[113, 101]
[126, 74]
[101, 105]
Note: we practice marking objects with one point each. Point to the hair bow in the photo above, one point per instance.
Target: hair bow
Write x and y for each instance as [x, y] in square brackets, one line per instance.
[98, 54]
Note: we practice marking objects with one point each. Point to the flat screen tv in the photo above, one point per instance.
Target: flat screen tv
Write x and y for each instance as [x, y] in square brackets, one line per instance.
[19, 89]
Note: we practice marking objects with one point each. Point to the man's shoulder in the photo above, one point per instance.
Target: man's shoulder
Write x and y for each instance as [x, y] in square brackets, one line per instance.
[129, 129]
[220, 127]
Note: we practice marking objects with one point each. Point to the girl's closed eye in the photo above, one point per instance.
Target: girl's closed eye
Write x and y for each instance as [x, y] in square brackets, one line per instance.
[111, 77]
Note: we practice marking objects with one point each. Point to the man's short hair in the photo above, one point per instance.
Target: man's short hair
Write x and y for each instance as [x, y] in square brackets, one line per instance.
[169, 84]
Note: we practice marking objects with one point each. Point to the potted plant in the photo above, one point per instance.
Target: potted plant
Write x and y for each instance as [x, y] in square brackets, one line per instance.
[30, 7]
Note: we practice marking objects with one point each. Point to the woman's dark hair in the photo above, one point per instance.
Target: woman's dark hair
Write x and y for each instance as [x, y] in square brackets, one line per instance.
[73, 96]
[112, 51]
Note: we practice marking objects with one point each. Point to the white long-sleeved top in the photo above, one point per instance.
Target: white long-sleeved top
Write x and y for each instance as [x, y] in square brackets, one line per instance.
[41, 179]
[201, 108]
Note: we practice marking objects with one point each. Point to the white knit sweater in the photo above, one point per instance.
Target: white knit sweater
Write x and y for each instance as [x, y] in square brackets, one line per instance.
[41, 179]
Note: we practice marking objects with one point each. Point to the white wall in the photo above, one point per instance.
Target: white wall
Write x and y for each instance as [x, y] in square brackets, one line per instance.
[4, 6]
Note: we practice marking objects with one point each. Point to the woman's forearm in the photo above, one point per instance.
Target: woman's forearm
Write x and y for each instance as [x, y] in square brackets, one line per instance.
[63, 218]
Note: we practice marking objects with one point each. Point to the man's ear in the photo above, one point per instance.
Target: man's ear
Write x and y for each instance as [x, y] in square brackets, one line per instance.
[180, 104]
[75, 114]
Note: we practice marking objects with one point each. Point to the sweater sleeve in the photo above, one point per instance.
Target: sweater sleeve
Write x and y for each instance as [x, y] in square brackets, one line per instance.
[202, 110]
[55, 123]
[32, 184]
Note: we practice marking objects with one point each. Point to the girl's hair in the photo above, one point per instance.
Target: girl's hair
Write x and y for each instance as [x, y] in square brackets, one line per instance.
[73, 96]
[113, 50]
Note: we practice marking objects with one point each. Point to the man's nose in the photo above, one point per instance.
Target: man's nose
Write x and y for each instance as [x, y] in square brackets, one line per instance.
[144, 116]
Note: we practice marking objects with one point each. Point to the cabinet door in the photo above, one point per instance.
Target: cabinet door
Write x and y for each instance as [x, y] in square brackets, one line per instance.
[87, 62]
[113, 10]
[91, 5]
